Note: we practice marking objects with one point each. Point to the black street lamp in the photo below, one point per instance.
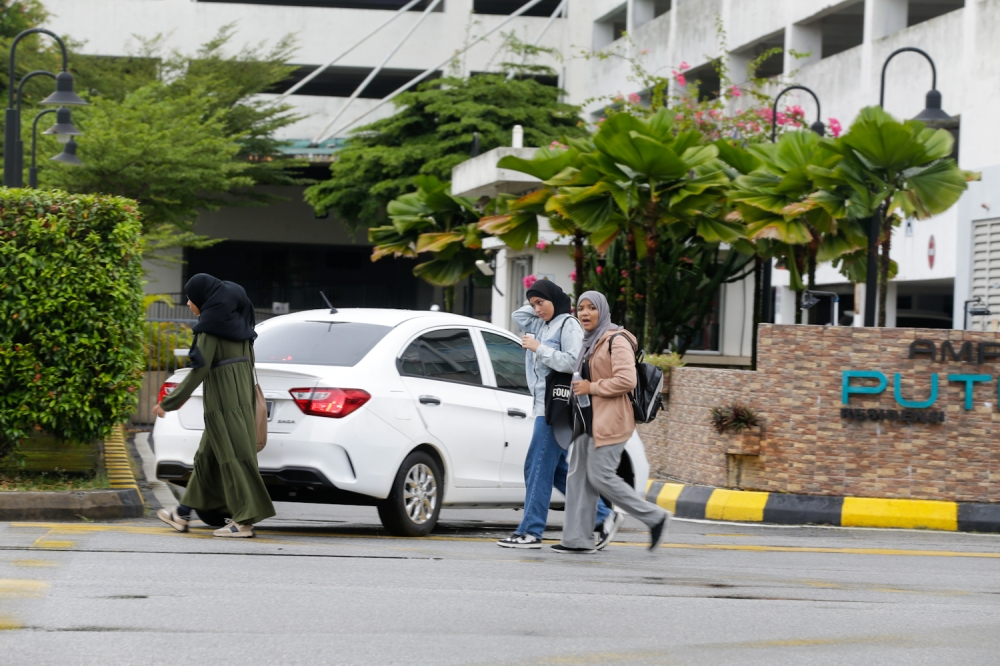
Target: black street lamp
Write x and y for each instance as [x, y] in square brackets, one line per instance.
[13, 149]
[933, 115]
[767, 315]
[64, 131]
[817, 126]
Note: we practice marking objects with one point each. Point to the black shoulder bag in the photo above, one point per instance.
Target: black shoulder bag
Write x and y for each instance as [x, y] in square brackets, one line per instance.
[647, 396]
[558, 390]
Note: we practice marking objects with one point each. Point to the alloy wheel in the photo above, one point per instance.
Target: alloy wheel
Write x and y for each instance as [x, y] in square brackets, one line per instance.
[420, 493]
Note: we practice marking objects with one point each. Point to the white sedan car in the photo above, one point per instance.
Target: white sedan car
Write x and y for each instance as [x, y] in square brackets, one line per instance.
[408, 411]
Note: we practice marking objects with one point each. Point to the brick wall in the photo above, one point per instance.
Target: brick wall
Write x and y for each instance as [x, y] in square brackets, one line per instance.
[807, 447]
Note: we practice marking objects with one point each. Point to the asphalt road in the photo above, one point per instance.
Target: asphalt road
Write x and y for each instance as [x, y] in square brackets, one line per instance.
[323, 585]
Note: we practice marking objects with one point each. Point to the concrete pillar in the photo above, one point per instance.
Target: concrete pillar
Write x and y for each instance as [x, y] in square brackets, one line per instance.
[890, 305]
[859, 305]
[784, 305]
[803, 39]
[884, 17]
[640, 12]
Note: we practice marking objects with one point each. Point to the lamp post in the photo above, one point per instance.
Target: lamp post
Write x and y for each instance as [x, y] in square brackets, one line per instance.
[932, 114]
[767, 315]
[64, 94]
[64, 131]
[817, 126]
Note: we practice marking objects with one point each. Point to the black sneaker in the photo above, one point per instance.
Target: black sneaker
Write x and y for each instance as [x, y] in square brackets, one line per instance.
[559, 548]
[610, 528]
[659, 533]
[520, 541]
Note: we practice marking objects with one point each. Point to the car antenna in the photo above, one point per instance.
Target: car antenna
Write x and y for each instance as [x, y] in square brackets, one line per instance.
[333, 310]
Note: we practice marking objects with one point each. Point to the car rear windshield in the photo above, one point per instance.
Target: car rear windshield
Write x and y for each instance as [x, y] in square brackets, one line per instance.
[318, 342]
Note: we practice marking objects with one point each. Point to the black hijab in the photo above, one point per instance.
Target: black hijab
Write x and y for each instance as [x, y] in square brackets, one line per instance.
[550, 291]
[226, 311]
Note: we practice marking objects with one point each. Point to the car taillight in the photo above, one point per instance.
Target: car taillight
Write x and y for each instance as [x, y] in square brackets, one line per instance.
[332, 402]
[165, 390]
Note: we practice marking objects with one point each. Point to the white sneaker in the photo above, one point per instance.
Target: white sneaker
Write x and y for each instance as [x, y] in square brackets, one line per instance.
[173, 519]
[610, 528]
[233, 529]
[520, 541]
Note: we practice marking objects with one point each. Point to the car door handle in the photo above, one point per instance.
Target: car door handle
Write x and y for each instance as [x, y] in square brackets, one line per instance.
[429, 400]
[516, 413]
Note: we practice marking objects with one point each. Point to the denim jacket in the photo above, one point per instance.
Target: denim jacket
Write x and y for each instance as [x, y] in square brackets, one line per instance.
[558, 351]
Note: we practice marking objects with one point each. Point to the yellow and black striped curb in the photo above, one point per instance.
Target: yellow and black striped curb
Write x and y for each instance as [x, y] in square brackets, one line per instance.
[116, 461]
[705, 502]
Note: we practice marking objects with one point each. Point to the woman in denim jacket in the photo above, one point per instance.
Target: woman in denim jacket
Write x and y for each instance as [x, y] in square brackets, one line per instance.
[556, 338]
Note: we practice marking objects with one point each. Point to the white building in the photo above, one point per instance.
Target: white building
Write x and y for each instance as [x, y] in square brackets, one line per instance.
[943, 262]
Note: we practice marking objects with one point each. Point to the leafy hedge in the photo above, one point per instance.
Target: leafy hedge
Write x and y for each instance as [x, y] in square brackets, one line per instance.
[71, 347]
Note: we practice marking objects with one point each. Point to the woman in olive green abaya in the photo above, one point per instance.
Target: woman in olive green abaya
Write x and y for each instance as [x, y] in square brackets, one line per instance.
[225, 467]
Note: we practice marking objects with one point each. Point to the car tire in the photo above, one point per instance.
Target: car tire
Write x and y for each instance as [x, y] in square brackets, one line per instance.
[213, 517]
[413, 505]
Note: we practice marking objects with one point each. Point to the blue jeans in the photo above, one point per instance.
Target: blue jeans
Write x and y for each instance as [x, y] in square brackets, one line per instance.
[544, 467]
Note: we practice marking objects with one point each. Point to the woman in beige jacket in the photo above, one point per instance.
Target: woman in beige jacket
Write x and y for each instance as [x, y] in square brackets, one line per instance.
[607, 364]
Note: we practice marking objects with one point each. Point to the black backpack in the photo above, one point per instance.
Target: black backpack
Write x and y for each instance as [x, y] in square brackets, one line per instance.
[647, 396]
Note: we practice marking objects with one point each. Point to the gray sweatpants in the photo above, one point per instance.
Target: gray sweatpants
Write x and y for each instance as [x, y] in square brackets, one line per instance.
[593, 472]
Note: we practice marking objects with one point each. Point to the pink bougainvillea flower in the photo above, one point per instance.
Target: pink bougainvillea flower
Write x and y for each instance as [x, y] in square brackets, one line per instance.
[555, 145]
[618, 98]
[680, 78]
[529, 280]
[835, 128]
[572, 275]
[638, 296]
[600, 269]
[684, 66]
[715, 113]
[624, 274]
[542, 244]
[600, 120]
[735, 92]
[634, 98]
[679, 117]
[782, 118]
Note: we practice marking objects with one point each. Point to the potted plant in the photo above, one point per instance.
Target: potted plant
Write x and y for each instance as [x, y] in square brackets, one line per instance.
[742, 420]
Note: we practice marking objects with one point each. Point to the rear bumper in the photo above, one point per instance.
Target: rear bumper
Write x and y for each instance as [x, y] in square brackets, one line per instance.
[287, 484]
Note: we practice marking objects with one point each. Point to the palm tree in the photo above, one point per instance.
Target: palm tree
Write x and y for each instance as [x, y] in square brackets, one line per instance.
[888, 169]
[434, 221]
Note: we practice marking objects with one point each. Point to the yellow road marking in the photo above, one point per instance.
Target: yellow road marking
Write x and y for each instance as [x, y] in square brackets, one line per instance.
[117, 463]
[48, 543]
[277, 533]
[34, 563]
[7, 623]
[15, 587]
[736, 505]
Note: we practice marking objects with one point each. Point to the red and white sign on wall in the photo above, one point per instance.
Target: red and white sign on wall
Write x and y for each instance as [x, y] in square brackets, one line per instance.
[931, 251]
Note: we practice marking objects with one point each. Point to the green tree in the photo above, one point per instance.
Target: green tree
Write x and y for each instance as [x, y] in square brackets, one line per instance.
[649, 182]
[431, 132]
[888, 169]
[432, 221]
[180, 133]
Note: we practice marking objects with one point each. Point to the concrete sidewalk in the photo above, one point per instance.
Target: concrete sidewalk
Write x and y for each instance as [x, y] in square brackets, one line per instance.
[706, 502]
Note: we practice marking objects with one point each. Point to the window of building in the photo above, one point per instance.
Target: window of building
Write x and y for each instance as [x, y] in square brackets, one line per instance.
[334, 4]
[705, 79]
[773, 65]
[342, 81]
[918, 11]
[508, 7]
[843, 29]
[610, 27]
[447, 355]
[507, 358]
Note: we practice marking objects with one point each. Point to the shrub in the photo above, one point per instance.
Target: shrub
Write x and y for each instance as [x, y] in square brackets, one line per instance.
[735, 417]
[665, 362]
[71, 347]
